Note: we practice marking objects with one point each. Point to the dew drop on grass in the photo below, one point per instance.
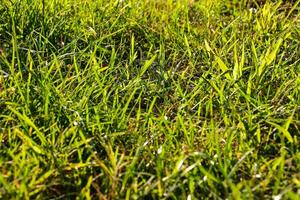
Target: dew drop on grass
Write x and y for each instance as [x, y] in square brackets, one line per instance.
[277, 197]
[189, 197]
[145, 143]
[258, 176]
[159, 150]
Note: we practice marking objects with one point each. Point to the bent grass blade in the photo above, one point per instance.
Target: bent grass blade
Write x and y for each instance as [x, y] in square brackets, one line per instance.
[30, 123]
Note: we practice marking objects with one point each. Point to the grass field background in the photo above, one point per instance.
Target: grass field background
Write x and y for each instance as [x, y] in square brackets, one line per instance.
[149, 99]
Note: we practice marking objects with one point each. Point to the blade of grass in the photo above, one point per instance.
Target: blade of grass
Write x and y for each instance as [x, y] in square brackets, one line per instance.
[27, 121]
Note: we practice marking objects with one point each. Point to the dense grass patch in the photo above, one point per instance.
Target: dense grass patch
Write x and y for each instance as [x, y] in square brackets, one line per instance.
[149, 99]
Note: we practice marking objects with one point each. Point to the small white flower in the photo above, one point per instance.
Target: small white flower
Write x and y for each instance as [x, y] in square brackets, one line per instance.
[75, 123]
[205, 178]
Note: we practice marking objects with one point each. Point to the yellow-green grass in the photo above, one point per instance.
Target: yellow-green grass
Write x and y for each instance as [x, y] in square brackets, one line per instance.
[149, 99]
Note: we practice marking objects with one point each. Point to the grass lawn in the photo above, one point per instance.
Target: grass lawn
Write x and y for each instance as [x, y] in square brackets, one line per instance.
[149, 99]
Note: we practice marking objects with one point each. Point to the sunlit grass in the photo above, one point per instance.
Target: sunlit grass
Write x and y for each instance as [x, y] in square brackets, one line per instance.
[149, 99]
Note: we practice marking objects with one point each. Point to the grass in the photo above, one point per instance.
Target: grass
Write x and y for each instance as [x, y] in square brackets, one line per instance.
[149, 99]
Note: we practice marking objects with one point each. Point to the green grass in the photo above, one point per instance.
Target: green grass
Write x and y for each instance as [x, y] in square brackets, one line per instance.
[149, 99]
